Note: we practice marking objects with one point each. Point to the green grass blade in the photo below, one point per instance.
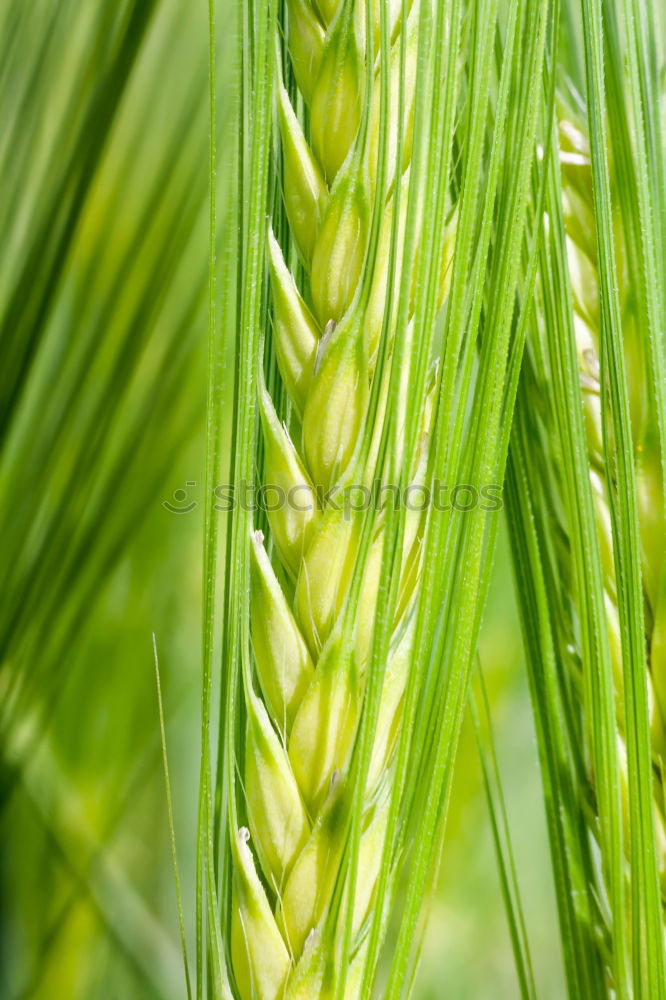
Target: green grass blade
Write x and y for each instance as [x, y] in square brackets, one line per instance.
[172, 829]
[481, 718]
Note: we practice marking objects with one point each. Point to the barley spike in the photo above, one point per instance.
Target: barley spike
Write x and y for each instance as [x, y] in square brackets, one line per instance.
[303, 708]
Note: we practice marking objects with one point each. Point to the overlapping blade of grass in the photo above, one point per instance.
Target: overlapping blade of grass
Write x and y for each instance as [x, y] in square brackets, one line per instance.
[96, 871]
[102, 302]
[211, 960]
[455, 600]
[566, 789]
[506, 862]
[106, 43]
[92, 382]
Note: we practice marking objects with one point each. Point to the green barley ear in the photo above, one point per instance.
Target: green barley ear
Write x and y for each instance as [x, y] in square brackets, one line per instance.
[260, 958]
[282, 658]
[296, 331]
[277, 817]
[337, 402]
[310, 884]
[344, 640]
[393, 692]
[374, 315]
[324, 727]
[339, 252]
[292, 510]
[306, 45]
[305, 191]
[325, 575]
[587, 501]
[337, 99]
[315, 973]
[327, 9]
[400, 131]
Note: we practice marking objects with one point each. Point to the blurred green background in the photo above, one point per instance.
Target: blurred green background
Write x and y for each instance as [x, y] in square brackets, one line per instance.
[103, 270]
